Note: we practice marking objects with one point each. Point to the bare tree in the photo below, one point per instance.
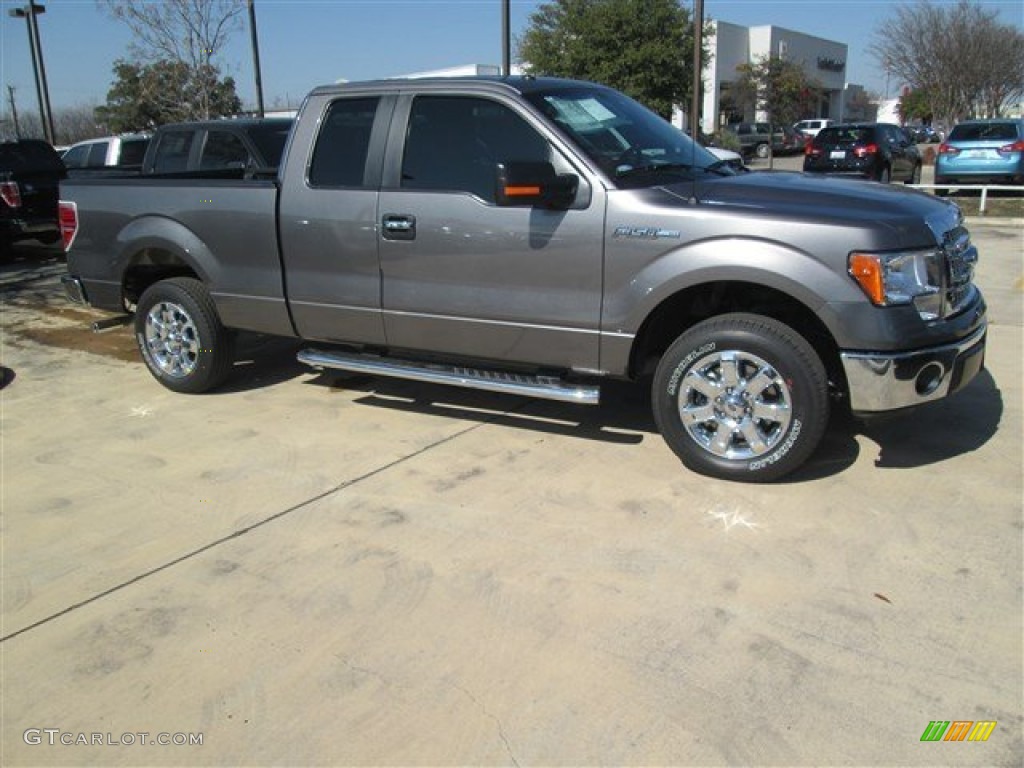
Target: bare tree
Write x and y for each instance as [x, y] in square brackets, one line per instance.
[78, 123]
[73, 124]
[960, 57]
[187, 33]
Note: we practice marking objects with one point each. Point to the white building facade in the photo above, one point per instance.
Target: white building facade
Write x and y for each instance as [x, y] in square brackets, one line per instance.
[731, 45]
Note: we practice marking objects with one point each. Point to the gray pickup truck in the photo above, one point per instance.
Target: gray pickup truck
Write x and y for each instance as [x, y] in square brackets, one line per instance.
[537, 236]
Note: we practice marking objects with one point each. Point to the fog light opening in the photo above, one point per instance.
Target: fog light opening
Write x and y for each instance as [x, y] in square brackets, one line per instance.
[929, 378]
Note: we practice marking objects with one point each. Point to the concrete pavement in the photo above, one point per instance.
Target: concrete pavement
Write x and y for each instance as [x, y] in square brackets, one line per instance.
[332, 570]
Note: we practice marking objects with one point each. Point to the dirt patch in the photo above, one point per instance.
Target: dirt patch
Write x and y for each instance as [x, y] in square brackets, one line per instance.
[118, 344]
[34, 319]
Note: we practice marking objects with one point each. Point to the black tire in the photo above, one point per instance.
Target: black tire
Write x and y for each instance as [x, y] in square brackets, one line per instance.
[182, 340]
[757, 429]
[761, 151]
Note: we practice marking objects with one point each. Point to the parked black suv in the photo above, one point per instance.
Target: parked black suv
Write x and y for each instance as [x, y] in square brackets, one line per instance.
[755, 137]
[30, 174]
[878, 151]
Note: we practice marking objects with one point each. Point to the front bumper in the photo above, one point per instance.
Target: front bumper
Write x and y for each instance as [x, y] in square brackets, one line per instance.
[890, 381]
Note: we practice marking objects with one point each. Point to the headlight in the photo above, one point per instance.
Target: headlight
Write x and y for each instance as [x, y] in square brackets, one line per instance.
[903, 277]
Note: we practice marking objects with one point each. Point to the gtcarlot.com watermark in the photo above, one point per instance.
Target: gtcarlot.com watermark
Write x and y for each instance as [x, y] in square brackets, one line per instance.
[56, 737]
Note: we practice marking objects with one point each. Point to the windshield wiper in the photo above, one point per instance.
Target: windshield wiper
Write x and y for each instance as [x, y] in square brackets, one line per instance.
[718, 168]
[653, 168]
[721, 167]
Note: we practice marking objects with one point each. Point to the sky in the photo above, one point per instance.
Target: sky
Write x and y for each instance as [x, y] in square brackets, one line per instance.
[304, 43]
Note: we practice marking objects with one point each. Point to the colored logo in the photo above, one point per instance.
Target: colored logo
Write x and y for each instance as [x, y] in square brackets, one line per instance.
[958, 730]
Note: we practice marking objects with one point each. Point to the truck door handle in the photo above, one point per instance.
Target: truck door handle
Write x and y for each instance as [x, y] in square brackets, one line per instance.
[399, 226]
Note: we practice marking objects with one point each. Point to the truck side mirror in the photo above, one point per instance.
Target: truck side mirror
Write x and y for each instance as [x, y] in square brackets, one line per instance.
[534, 184]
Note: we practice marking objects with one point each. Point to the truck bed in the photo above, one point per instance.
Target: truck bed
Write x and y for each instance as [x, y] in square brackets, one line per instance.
[234, 219]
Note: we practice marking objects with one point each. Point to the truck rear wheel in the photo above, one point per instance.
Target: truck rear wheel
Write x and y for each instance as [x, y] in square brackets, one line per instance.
[741, 397]
[181, 337]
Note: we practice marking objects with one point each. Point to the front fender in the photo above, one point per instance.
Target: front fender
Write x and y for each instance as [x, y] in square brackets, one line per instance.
[798, 274]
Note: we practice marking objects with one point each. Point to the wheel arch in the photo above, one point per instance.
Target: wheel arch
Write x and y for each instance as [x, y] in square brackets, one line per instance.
[155, 248]
[689, 306]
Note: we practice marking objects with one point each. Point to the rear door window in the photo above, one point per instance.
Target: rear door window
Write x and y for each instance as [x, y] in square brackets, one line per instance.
[76, 157]
[98, 154]
[133, 151]
[172, 152]
[223, 150]
[339, 157]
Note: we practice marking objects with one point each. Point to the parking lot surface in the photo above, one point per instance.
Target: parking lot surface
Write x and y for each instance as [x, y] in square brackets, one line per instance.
[311, 569]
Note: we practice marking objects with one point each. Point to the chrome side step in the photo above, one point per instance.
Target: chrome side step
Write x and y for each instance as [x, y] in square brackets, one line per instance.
[546, 387]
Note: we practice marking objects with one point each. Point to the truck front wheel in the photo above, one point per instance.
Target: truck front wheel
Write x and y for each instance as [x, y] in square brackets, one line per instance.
[741, 397]
[181, 337]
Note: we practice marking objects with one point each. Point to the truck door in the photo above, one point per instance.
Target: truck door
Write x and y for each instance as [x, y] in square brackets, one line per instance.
[327, 218]
[462, 276]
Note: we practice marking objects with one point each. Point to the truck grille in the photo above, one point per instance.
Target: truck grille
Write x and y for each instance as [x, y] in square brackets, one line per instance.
[961, 256]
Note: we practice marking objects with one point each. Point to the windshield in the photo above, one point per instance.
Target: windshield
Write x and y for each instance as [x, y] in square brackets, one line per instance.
[631, 144]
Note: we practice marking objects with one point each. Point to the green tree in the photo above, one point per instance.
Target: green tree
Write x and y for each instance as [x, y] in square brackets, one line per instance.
[144, 96]
[916, 104]
[779, 87]
[641, 47]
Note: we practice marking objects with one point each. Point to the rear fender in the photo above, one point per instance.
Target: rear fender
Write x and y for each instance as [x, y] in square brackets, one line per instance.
[160, 241]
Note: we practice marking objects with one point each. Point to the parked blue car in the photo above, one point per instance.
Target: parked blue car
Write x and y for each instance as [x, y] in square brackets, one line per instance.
[982, 151]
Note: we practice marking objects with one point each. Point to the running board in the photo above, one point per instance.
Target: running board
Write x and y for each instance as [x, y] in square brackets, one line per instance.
[546, 387]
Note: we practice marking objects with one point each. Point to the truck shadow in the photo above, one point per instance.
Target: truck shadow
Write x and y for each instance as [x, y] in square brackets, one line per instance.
[938, 431]
[261, 361]
[917, 438]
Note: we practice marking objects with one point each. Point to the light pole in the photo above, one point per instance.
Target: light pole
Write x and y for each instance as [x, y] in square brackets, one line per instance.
[698, 79]
[29, 12]
[256, 58]
[506, 47]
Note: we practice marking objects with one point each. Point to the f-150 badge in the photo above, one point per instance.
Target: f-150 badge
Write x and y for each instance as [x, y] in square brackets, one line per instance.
[646, 233]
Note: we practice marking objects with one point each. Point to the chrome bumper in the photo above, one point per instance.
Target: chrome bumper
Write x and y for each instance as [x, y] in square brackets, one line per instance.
[887, 382]
[73, 289]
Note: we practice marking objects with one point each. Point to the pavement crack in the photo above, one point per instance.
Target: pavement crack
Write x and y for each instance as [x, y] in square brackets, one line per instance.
[259, 524]
[492, 716]
[347, 663]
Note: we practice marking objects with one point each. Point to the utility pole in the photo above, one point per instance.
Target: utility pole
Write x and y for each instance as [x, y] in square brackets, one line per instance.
[256, 59]
[14, 112]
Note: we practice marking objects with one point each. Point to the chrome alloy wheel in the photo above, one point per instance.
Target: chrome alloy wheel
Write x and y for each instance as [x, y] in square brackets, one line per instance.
[735, 405]
[171, 339]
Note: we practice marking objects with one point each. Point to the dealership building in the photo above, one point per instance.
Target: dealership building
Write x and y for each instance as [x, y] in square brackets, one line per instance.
[823, 61]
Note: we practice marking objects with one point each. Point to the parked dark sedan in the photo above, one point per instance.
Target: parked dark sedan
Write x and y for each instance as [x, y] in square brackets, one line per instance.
[878, 151]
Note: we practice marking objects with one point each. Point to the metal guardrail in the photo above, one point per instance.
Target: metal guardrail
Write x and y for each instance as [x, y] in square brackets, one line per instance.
[985, 188]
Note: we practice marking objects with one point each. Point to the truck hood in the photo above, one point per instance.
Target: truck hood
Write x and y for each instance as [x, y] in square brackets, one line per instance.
[784, 194]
